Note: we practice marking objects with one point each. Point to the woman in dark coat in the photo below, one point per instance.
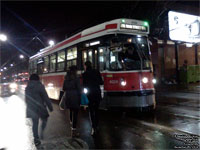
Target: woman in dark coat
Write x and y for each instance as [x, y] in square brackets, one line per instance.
[73, 96]
[36, 101]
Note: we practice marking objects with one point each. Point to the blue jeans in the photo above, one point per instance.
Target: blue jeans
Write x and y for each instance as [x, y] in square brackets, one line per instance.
[35, 127]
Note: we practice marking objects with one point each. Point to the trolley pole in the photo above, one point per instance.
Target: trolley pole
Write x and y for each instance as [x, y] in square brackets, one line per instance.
[196, 55]
[176, 57]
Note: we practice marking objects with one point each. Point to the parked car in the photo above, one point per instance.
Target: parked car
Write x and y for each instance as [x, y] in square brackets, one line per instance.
[7, 87]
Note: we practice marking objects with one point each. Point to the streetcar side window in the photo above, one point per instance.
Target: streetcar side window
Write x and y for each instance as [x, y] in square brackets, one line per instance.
[84, 56]
[34, 66]
[40, 65]
[90, 56]
[61, 61]
[30, 67]
[46, 64]
[71, 57]
[95, 59]
[102, 58]
[52, 63]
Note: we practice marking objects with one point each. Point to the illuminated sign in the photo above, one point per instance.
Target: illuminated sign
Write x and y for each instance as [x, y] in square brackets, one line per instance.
[184, 27]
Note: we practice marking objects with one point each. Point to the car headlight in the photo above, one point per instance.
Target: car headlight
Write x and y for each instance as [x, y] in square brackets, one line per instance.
[145, 80]
[13, 85]
[154, 81]
[13, 90]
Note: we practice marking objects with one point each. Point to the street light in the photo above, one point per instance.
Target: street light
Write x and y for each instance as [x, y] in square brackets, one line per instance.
[3, 37]
[21, 56]
[51, 43]
[11, 65]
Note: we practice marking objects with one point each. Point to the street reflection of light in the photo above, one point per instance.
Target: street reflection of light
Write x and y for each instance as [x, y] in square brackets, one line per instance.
[15, 133]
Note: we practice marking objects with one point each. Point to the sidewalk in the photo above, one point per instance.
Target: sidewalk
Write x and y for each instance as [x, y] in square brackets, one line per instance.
[57, 133]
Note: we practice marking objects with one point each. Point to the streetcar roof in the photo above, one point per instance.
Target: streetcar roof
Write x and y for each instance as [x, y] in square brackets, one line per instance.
[109, 27]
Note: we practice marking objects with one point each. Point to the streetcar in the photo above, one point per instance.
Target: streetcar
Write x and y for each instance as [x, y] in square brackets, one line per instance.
[119, 49]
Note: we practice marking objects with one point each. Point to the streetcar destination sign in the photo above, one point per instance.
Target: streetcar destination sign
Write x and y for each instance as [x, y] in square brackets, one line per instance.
[184, 27]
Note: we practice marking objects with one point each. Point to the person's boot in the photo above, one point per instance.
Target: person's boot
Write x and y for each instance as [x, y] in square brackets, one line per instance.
[74, 132]
[37, 142]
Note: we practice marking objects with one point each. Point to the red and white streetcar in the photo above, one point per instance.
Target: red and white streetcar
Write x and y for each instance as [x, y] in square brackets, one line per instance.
[118, 48]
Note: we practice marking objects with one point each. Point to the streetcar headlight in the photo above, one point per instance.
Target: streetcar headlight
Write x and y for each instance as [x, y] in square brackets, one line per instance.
[123, 83]
[145, 80]
[13, 85]
[85, 90]
[154, 81]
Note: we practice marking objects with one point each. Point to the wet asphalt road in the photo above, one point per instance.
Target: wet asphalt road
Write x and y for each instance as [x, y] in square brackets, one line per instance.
[174, 125]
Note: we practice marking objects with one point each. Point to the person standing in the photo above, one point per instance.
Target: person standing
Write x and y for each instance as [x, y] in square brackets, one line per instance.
[37, 101]
[92, 81]
[72, 88]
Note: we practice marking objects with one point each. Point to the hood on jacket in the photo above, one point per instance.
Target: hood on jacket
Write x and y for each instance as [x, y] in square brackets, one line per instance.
[33, 84]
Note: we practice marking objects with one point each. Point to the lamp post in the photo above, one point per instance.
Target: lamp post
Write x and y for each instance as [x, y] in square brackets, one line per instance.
[21, 56]
[3, 37]
[51, 42]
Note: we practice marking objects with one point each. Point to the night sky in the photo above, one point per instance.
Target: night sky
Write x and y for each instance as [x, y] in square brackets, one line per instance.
[30, 25]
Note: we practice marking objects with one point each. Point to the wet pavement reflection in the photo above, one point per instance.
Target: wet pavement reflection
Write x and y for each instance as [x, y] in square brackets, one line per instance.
[169, 127]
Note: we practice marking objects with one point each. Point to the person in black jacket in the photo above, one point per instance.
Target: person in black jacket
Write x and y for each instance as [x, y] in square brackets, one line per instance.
[72, 88]
[37, 100]
[92, 81]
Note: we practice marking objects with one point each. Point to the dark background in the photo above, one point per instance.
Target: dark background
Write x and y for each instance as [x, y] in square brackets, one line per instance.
[30, 25]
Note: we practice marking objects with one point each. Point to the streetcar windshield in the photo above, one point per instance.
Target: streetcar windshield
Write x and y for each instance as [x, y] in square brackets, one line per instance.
[132, 55]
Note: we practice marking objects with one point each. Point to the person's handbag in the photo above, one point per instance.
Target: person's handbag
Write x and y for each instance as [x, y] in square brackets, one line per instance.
[62, 102]
[84, 99]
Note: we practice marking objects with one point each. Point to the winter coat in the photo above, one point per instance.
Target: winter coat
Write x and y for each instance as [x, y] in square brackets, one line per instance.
[92, 81]
[72, 88]
[37, 100]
